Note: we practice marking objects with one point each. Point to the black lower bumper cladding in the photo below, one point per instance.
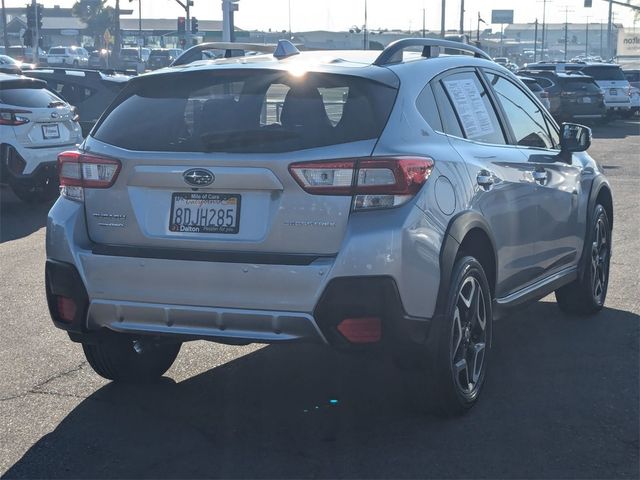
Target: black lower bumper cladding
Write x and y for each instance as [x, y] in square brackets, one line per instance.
[354, 297]
[63, 280]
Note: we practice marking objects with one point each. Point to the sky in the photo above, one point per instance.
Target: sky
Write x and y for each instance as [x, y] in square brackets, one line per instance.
[342, 14]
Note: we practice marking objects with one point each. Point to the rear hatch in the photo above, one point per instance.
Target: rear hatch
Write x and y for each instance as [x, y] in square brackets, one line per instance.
[159, 58]
[612, 81]
[49, 120]
[205, 159]
[582, 94]
[56, 56]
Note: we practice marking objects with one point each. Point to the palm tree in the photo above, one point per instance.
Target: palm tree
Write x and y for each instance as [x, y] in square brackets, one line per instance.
[96, 15]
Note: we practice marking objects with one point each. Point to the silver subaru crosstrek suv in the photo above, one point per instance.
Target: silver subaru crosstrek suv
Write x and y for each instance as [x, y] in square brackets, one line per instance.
[395, 201]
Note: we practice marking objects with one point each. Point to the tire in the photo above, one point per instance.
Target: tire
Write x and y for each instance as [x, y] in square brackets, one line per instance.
[586, 295]
[115, 359]
[460, 337]
[37, 193]
[430, 372]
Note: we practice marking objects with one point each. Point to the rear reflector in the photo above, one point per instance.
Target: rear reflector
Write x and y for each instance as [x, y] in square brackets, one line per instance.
[79, 171]
[66, 309]
[374, 182]
[361, 330]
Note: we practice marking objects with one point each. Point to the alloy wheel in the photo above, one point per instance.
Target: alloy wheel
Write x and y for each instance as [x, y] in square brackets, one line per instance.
[599, 261]
[469, 337]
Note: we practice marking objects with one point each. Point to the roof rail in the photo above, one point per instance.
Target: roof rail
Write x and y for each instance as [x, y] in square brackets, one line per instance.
[431, 48]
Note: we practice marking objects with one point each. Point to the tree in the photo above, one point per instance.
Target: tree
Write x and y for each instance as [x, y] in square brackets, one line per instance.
[96, 15]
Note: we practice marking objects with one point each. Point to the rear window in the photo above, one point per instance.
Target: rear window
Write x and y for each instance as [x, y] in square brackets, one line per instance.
[28, 97]
[604, 73]
[579, 84]
[129, 52]
[159, 53]
[57, 51]
[532, 85]
[246, 112]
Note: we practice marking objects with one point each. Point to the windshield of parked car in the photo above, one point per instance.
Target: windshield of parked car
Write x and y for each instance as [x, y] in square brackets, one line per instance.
[248, 111]
[4, 59]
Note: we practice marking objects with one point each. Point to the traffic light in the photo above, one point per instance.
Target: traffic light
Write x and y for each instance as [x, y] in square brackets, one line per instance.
[39, 15]
[194, 25]
[182, 24]
[588, 3]
[31, 17]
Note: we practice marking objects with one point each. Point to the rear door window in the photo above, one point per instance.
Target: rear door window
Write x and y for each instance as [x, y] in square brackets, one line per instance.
[474, 113]
[246, 111]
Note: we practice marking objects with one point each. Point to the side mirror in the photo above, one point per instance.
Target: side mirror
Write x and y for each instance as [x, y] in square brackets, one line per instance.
[574, 138]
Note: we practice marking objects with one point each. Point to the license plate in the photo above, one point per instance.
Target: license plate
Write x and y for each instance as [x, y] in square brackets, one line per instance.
[586, 99]
[204, 213]
[50, 130]
[613, 91]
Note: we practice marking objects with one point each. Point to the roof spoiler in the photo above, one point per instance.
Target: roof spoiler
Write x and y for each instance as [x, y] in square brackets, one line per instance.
[430, 49]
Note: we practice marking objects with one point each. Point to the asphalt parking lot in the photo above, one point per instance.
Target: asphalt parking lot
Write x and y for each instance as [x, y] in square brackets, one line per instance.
[561, 399]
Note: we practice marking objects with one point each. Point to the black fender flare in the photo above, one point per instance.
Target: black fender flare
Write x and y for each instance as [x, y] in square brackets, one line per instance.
[597, 185]
[458, 227]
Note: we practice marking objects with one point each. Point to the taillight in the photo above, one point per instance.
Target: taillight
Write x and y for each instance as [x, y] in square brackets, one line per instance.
[79, 171]
[13, 117]
[373, 182]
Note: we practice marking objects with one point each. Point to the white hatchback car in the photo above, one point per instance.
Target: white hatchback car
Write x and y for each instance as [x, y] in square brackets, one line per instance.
[35, 126]
[75, 56]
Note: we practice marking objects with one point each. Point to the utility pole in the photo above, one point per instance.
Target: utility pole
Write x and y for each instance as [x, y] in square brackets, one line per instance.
[478, 30]
[4, 27]
[544, 28]
[601, 42]
[290, 34]
[424, 22]
[442, 18]
[609, 31]
[228, 29]
[535, 42]
[117, 37]
[586, 41]
[36, 34]
[566, 31]
[461, 17]
[364, 30]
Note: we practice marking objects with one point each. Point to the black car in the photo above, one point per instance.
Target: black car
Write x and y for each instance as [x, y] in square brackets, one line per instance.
[572, 96]
[89, 91]
[162, 57]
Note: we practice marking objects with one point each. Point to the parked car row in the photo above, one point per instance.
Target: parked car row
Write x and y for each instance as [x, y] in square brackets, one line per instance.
[583, 91]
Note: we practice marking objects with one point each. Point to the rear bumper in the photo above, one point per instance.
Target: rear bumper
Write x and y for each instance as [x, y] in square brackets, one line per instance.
[33, 157]
[248, 302]
[342, 298]
[15, 170]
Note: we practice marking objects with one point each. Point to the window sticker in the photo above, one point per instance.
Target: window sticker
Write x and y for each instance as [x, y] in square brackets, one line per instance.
[470, 107]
